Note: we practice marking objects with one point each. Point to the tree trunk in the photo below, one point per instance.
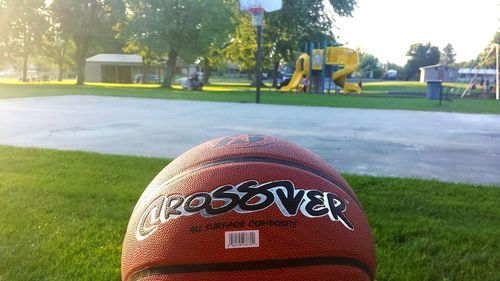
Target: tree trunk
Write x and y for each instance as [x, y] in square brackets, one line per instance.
[145, 66]
[145, 72]
[80, 61]
[169, 72]
[276, 67]
[60, 62]
[60, 72]
[25, 67]
[207, 71]
[81, 71]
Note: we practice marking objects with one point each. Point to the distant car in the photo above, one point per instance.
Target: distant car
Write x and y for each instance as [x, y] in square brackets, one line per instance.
[391, 75]
[152, 78]
[285, 80]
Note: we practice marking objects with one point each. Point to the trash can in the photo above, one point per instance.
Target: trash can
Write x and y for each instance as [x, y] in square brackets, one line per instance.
[434, 89]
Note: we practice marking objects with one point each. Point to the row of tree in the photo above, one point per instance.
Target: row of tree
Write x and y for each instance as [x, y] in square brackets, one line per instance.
[66, 32]
[424, 55]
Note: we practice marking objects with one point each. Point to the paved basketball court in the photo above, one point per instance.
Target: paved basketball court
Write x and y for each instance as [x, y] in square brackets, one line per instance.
[446, 146]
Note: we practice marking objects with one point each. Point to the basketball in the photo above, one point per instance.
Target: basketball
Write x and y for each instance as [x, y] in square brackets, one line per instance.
[248, 207]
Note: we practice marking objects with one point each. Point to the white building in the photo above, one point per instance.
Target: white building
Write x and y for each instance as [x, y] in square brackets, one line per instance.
[466, 74]
[112, 68]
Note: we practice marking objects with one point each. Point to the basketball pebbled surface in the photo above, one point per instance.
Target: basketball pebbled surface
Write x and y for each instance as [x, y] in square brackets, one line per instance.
[248, 207]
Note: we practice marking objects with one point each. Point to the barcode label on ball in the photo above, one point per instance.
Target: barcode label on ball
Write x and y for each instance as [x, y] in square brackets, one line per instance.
[242, 239]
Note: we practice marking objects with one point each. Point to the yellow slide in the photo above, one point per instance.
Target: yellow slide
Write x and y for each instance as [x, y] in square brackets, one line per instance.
[301, 68]
[350, 59]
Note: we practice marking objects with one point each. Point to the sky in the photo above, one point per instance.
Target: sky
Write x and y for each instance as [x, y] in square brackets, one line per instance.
[387, 28]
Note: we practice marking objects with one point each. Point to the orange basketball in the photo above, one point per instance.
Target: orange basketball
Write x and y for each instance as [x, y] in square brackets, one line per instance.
[248, 207]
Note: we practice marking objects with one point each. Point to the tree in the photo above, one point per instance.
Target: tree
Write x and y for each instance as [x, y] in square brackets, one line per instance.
[285, 31]
[26, 23]
[297, 22]
[84, 21]
[3, 32]
[185, 28]
[370, 66]
[343, 7]
[420, 55]
[465, 64]
[58, 47]
[107, 40]
[448, 55]
[138, 42]
[243, 46]
[215, 35]
[487, 57]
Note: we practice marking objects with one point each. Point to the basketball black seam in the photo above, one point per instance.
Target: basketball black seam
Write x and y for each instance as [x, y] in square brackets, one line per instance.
[264, 160]
[286, 163]
[250, 265]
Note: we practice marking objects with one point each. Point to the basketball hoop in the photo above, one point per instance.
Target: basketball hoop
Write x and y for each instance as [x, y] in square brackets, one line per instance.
[257, 15]
[257, 8]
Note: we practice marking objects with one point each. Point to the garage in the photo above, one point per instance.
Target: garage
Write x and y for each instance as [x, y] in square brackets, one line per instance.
[113, 68]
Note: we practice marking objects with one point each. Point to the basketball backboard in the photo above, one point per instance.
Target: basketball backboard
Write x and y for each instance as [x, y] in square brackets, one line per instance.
[267, 5]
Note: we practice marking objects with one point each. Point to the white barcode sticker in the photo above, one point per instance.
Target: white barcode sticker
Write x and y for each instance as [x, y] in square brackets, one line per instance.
[242, 239]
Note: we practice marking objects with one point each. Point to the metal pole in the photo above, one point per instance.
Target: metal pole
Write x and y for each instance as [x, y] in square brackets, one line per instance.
[440, 94]
[259, 63]
[323, 73]
[309, 84]
[498, 77]
[330, 68]
[318, 85]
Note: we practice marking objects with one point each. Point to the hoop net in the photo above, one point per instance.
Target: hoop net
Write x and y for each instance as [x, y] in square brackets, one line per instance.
[257, 15]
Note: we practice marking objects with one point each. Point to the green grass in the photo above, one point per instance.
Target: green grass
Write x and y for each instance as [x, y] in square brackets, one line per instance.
[64, 215]
[241, 93]
[393, 86]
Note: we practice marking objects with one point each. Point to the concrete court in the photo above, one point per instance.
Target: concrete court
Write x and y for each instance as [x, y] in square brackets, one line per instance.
[445, 146]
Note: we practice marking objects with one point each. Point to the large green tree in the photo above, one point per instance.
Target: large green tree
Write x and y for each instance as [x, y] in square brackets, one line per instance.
[216, 37]
[26, 24]
[180, 28]
[420, 55]
[131, 30]
[87, 22]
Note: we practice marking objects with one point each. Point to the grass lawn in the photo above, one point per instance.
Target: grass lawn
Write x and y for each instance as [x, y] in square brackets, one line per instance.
[64, 215]
[242, 93]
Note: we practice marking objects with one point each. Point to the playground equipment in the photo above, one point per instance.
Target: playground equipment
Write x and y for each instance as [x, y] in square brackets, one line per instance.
[344, 60]
[494, 48]
[350, 60]
[301, 69]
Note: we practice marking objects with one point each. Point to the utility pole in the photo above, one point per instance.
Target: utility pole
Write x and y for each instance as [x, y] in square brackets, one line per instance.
[498, 76]
[258, 71]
